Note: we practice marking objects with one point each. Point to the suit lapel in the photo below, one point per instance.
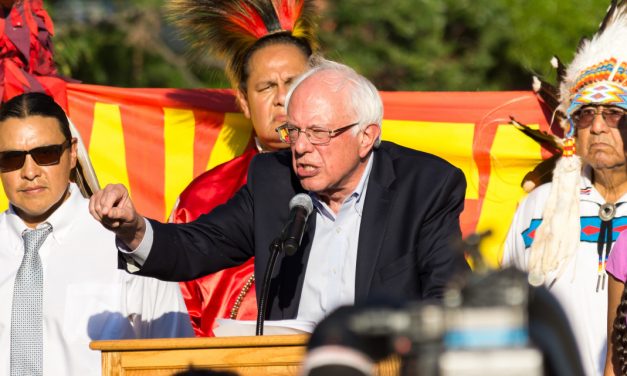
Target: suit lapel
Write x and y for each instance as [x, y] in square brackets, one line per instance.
[376, 214]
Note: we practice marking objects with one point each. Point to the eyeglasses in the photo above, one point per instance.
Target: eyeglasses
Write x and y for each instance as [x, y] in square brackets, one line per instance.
[44, 156]
[317, 136]
[611, 115]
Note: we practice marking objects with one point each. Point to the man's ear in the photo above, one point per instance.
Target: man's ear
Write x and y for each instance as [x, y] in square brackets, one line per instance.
[368, 139]
[243, 102]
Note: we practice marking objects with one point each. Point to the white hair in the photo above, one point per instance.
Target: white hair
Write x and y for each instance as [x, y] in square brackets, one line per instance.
[364, 96]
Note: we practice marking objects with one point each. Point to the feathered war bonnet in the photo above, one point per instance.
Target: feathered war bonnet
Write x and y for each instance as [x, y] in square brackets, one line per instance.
[597, 75]
[233, 29]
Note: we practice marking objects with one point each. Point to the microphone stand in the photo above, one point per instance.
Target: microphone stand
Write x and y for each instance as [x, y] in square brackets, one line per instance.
[275, 248]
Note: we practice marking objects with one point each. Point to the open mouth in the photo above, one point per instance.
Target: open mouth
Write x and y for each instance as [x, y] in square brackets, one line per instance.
[306, 170]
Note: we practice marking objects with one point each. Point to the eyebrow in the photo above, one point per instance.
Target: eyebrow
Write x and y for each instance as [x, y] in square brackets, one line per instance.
[36, 147]
[312, 126]
[265, 82]
[273, 81]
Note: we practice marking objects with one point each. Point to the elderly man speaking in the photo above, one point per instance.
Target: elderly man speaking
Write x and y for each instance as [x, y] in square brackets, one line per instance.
[384, 223]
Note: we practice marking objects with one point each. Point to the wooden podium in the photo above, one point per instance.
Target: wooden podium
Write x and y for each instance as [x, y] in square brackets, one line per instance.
[264, 355]
[247, 356]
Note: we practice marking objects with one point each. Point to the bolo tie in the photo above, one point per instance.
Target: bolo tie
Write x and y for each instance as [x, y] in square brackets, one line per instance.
[607, 212]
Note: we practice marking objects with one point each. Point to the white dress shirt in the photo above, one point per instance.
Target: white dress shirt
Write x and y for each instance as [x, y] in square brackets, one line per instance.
[85, 296]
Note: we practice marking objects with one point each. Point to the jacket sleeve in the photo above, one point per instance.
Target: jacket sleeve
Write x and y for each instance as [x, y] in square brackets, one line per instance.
[220, 239]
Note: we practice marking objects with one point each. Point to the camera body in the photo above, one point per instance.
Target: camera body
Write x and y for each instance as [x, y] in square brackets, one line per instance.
[480, 328]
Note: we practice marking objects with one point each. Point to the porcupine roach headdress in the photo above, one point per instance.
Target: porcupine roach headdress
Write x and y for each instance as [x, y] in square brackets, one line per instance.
[231, 28]
[597, 75]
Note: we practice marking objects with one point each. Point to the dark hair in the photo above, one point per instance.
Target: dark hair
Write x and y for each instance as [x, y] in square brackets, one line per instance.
[270, 40]
[619, 336]
[35, 104]
[40, 104]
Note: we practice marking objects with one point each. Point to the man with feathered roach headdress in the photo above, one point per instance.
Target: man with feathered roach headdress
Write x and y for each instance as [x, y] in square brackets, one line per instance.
[563, 232]
[265, 44]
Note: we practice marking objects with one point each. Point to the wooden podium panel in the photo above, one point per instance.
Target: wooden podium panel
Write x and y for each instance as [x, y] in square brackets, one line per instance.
[248, 356]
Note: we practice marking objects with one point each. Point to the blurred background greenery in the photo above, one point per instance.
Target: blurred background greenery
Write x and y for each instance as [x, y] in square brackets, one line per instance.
[440, 45]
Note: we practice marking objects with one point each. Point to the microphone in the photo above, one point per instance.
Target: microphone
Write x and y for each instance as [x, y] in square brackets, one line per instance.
[300, 208]
[289, 241]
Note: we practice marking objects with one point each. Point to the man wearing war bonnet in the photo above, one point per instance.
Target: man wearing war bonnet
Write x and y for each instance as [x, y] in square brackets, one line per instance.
[563, 232]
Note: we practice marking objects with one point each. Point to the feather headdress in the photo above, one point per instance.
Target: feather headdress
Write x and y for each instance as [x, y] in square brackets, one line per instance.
[231, 28]
[597, 75]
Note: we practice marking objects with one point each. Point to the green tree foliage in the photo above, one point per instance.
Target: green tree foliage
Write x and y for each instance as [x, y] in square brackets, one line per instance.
[127, 44]
[456, 44]
[399, 44]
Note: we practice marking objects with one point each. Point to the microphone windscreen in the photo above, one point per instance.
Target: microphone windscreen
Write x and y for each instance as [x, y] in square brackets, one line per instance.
[304, 201]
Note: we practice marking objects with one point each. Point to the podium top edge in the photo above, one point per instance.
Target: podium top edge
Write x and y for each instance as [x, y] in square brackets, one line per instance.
[198, 342]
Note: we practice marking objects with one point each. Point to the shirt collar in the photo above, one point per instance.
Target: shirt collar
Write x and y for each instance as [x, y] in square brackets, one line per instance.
[587, 190]
[61, 220]
[260, 147]
[360, 191]
[357, 195]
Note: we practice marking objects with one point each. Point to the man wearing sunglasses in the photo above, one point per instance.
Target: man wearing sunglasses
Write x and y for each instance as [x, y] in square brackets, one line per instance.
[385, 218]
[59, 285]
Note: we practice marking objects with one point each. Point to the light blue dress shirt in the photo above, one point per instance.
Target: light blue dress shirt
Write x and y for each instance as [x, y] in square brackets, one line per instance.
[330, 276]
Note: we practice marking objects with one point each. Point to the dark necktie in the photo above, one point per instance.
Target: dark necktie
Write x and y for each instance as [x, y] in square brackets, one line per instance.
[26, 317]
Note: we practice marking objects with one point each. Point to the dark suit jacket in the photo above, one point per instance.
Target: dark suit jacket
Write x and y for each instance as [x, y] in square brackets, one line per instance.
[410, 222]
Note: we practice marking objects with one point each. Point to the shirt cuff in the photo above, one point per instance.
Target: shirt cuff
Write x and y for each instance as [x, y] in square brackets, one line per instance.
[140, 254]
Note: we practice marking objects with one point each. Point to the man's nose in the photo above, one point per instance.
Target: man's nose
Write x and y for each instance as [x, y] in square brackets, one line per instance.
[30, 169]
[281, 93]
[598, 124]
[302, 144]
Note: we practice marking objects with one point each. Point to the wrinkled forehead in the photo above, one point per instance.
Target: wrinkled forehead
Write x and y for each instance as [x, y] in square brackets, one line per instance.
[30, 131]
[320, 98]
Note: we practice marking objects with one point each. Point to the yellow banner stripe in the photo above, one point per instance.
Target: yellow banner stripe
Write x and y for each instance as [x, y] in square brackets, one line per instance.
[106, 148]
[232, 140]
[509, 163]
[178, 132]
[451, 141]
[4, 201]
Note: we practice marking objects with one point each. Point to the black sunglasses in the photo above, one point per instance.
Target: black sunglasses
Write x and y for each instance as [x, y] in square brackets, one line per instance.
[44, 156]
